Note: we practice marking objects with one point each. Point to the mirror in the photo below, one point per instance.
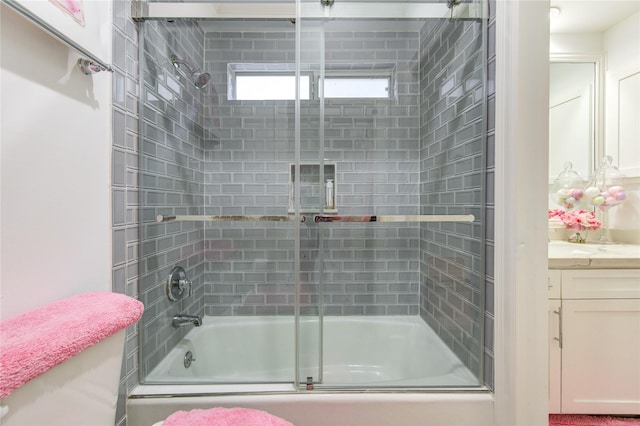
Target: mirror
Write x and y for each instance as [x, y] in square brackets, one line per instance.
[573, 115]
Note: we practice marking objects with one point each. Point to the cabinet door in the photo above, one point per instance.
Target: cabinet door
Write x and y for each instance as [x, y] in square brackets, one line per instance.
[601, 284]
[555, 354]
[601, 356]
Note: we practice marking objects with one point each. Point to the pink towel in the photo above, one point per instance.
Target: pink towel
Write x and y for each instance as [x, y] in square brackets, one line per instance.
[224, 417]
[36, 341]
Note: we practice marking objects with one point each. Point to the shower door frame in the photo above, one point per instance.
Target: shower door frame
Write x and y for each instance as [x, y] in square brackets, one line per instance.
[161, 10]
[142, 10]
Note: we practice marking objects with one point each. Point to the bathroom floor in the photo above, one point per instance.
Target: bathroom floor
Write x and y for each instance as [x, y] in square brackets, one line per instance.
[582, 420]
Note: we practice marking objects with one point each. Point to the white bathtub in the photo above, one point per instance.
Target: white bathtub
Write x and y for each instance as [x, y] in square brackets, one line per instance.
[380, 351]
[373, 364]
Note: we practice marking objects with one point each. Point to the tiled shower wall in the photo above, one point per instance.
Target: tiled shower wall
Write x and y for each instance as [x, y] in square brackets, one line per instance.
[453, 179]
[124, 181]
[369, 269]
[171, 182]
[248, 151]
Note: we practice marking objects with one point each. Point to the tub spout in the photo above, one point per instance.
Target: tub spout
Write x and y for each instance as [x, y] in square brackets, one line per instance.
[180, 320]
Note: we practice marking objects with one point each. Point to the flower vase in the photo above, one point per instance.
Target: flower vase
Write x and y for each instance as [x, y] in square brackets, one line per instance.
[604, 191]
[568, 188]
[579, 237]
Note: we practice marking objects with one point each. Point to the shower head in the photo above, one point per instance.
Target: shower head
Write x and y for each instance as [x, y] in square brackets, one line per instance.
[198, 78]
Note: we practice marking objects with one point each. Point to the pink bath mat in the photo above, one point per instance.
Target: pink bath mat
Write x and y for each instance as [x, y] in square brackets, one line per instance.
[582, 420]
[36, 341]
[224, 417]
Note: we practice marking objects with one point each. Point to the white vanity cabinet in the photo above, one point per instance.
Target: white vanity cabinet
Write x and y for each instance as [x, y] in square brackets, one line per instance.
[555, 352]
[594, 349]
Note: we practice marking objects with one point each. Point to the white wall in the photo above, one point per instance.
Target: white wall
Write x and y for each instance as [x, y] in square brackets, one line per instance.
[55, 140]
[622, 44]
[576, 43]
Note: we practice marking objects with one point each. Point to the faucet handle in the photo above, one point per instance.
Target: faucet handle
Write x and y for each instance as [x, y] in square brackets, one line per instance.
[184, 283]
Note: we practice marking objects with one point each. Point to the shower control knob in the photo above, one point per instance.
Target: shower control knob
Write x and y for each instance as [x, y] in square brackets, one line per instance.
[178, 285]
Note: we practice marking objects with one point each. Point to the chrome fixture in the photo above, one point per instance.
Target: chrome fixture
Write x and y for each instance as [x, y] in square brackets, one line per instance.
[178, 285]
[198, 78]
[198, 218]
[396, 218]
[89, 67]
[452, 3]
[188, 359]
[180, 320]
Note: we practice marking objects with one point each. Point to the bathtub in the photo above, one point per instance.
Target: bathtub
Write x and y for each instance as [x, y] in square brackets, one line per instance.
[375, 371]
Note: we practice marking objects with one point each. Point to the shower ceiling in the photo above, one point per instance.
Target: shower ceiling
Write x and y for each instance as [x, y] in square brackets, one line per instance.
[590, 16]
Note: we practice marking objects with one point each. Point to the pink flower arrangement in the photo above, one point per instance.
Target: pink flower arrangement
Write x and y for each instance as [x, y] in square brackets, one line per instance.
[579, 220]
[556, 213]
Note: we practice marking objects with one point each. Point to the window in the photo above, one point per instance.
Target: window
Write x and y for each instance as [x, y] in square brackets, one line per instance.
[269, 86]
[357, 87]
[277, 81]
[265, 81]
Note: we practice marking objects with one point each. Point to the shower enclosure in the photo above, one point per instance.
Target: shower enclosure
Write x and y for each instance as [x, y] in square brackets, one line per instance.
[309, 161]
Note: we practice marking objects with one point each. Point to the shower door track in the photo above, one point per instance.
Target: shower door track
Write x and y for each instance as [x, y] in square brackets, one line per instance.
[142, 10]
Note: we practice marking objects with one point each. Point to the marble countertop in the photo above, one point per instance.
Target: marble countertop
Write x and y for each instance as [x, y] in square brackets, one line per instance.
[565, 255]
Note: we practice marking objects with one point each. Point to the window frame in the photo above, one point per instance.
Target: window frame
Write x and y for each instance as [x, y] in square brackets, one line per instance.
[362, 72]
[360, 75]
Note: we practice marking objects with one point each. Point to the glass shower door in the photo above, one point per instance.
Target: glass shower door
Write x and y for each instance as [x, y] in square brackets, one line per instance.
[215, 172]
[391, 266]
[379, 148]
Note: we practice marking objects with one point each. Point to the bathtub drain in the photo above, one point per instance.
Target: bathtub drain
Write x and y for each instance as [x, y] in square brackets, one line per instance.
[188, 359]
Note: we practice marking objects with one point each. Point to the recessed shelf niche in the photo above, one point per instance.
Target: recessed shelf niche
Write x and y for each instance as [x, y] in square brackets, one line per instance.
[313, 188]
